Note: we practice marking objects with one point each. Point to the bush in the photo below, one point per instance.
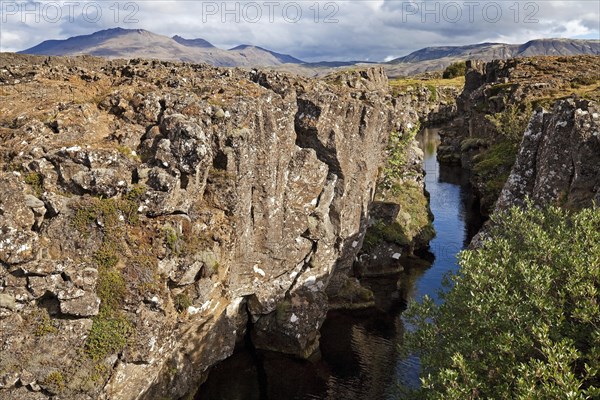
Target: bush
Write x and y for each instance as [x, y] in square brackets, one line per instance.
[455, 70]
[512, 122]
[522, 318]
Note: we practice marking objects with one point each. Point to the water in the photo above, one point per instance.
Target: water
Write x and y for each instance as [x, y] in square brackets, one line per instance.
[359, 350]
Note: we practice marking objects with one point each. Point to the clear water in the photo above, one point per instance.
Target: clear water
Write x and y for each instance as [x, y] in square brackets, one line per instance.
[359, 350]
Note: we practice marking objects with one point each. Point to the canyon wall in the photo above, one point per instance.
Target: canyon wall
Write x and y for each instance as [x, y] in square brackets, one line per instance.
[559, 158]
[153, 214]
[494, 109]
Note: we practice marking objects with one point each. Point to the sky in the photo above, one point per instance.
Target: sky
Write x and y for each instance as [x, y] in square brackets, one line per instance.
[313, 30]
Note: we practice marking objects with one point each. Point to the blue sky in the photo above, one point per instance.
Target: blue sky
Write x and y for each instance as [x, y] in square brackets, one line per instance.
[312, 30]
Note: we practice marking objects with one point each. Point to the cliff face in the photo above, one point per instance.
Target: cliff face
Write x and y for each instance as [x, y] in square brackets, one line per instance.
[559, 158]
[150, 212]
[495, 106]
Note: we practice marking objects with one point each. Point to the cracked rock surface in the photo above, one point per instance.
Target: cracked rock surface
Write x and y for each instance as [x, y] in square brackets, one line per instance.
[148, 209]
[559, 158]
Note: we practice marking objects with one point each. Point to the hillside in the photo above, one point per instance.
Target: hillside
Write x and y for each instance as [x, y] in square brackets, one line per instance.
[436, 58]
[140, 43]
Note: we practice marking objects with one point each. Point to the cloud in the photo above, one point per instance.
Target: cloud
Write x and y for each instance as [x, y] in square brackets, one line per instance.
[312, 30]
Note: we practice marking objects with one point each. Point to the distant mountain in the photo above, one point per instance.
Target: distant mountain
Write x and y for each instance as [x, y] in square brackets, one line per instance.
[436, 58]
[205, 44]
[140, 43]
[246, 49]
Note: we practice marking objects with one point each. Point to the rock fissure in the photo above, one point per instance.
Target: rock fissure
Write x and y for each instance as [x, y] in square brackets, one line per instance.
[174, 196]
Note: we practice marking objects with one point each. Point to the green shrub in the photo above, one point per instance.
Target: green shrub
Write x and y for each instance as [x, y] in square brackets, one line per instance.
[522, 318]
[433, 95]
[181, 302]
[54, 382]
[36, 181]
[394, 169]
[454, 70]
[512, 122]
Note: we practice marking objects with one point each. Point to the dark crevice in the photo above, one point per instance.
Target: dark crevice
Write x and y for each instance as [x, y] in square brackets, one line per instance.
[152, 215]
[220, 161]
[252, 205]
[163, 108]
[53, 125]
[135, 178]
[50, 302]
[306, 266]
[185, 180]
[256, 357]
[65, 277]
[307, 136]
[363, 122]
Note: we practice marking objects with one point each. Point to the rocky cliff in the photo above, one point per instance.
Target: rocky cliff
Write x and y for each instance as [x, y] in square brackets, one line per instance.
[559, 158]
[495, 106]
[153, 214]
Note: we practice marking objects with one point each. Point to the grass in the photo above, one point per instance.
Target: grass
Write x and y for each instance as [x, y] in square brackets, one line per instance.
[493, 166]
[108, 335]
[501, 88]
[127, 152]
[36, 181]
[54, 382]
[403, 83]
[44, 324]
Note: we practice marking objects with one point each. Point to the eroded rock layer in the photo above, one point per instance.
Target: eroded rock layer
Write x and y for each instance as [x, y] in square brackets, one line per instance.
[559, 158]
[150, 212]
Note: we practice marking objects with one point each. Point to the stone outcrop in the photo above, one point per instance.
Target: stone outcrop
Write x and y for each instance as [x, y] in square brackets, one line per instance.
[432, 105]
[559, 158]
[503, 92]
[151, 213]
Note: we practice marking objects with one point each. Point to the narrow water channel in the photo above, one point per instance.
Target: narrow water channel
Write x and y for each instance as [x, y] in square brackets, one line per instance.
[359, 357]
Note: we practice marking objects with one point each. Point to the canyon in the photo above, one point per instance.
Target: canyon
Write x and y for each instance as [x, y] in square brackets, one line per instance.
[155, 214]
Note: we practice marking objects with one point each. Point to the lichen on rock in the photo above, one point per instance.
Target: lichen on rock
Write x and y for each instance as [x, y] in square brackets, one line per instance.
[168, 203]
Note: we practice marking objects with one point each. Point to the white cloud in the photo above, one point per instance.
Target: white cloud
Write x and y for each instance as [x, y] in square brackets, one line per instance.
[340, 30]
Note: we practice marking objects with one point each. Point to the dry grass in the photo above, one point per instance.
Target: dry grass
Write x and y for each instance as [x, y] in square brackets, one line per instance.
[404, 83]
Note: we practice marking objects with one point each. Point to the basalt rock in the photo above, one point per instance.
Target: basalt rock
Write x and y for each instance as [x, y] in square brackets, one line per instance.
[559, 158]
[149, 212]
[507, 87]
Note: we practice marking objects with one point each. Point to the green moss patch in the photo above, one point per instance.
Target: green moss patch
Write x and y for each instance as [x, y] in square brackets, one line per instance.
[492, 167]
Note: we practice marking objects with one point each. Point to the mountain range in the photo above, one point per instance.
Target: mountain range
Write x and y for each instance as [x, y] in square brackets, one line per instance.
[140, 43]
[436, 58]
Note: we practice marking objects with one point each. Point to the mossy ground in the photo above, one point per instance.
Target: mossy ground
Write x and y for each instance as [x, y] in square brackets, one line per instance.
[36, 181]
[412, 224]
[492, 167]
[111, 327]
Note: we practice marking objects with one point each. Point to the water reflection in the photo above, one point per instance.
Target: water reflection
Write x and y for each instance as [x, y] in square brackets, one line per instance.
[359, 350]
